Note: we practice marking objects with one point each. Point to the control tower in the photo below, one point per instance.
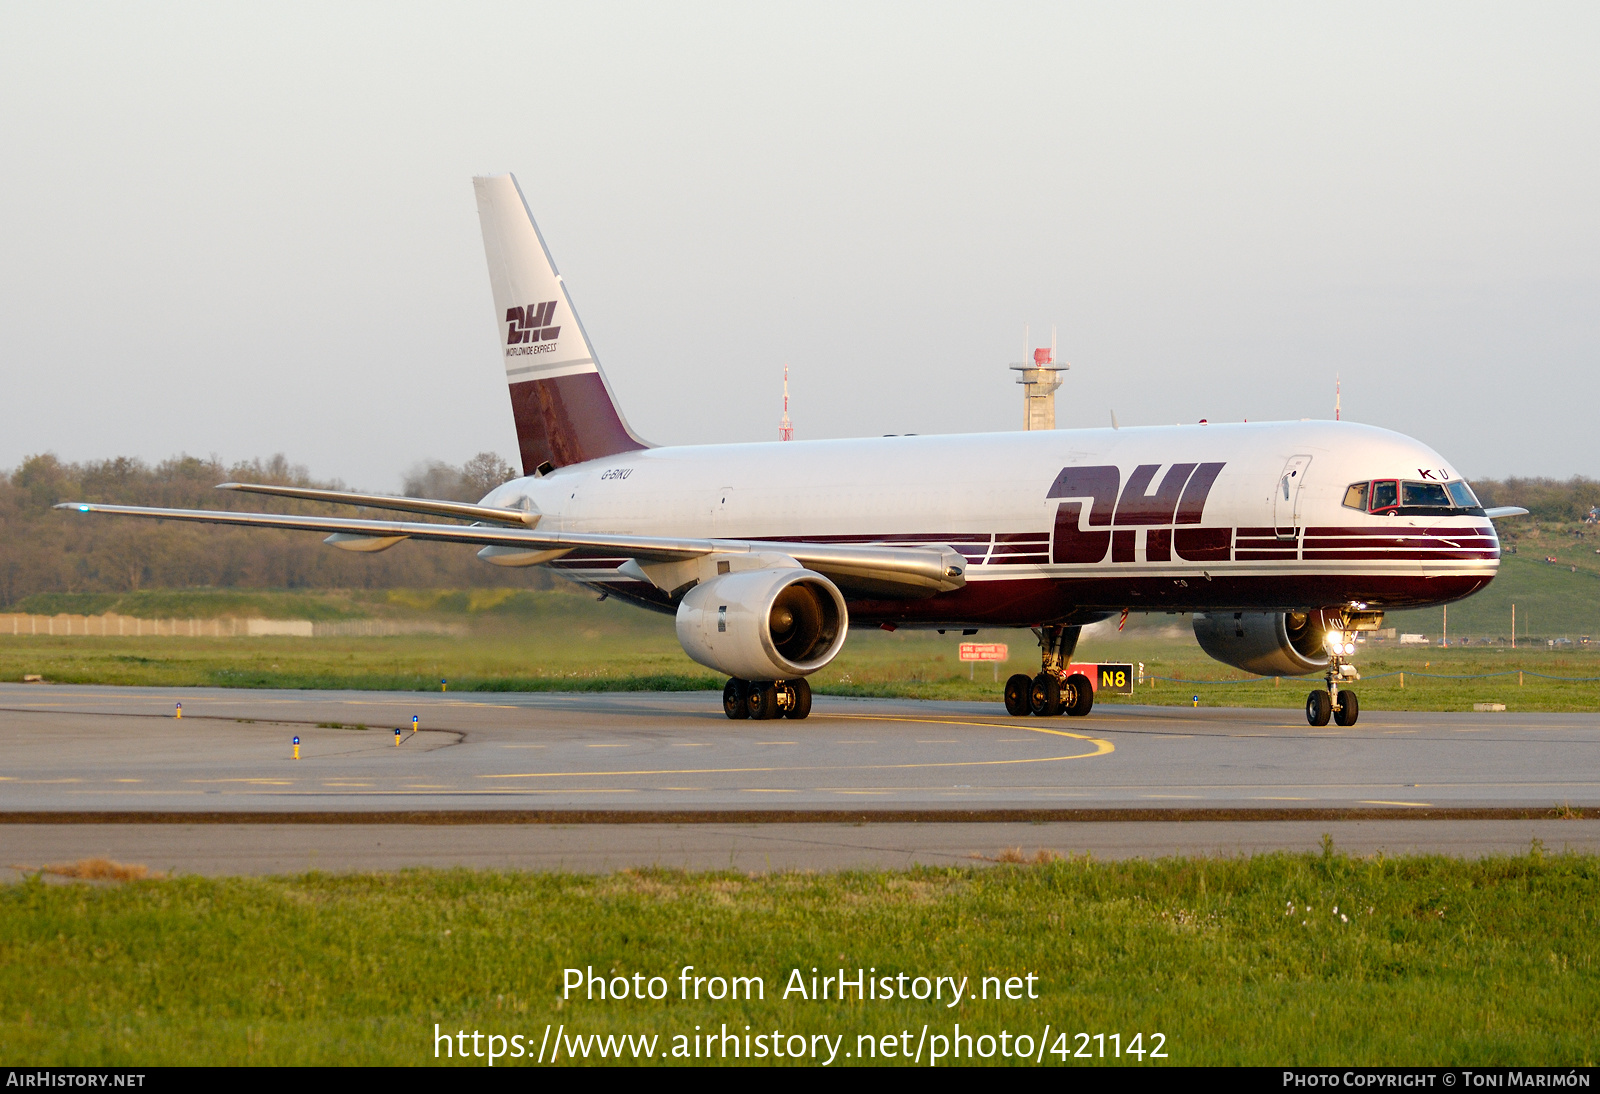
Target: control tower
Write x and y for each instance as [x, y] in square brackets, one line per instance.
[1039, 382]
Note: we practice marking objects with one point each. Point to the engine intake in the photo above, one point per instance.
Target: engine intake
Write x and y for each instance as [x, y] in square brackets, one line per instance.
[1265, 643]
[773, 624]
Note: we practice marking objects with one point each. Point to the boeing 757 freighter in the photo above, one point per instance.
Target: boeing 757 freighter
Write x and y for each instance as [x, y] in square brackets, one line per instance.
[1283, 539]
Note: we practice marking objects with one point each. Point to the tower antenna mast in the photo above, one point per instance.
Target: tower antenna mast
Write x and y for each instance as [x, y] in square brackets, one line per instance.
[785, 426]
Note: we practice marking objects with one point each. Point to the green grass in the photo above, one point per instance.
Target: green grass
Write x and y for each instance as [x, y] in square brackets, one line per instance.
[521, 640]
[1427, 961]
[626, 653]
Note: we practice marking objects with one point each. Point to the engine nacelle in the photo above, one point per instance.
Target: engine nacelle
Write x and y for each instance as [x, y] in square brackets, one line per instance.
[773, 624]
[1266, 643]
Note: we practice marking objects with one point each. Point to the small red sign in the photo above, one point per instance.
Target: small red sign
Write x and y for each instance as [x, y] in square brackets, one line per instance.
[984, 651]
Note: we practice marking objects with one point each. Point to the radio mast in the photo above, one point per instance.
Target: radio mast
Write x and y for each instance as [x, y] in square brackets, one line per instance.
[785, 426]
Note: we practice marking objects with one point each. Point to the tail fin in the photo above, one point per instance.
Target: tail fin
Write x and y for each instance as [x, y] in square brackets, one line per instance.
[563, 407]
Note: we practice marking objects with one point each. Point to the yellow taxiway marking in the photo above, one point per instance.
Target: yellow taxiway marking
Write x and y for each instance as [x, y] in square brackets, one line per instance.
[1101, 748]
[1107, 746]
[1414, 805]
[127, 780]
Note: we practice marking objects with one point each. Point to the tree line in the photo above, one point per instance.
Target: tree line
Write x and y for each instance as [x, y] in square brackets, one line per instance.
[43, 550]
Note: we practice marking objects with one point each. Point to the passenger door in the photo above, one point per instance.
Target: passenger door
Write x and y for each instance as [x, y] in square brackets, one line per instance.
[1286, 497]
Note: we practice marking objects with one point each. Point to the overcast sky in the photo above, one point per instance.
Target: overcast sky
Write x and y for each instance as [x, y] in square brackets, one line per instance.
[244, 230]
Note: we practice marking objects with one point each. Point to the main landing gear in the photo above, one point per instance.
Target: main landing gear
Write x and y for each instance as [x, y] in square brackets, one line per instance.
[1342, 705]
[1054, 691]
[766, 698]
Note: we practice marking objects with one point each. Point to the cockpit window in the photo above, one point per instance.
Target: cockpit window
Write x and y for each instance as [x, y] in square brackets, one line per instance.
[1424, 493]
[1396, 497]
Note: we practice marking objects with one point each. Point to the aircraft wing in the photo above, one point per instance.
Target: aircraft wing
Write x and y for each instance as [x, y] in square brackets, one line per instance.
[869, 569]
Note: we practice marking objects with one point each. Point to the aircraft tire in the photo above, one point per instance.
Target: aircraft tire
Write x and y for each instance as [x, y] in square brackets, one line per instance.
[801, 706]
[1082, 695]
[735, 694]
[1349, 709]
[763, 700]
[1318, 707]
[1018, 691]
[1044, 698]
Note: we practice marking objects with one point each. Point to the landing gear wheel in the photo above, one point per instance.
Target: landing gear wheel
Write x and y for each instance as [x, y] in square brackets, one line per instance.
[762, 702]
[1019, 689]
[734, 695]
[1318, 707]
[1081, 695]
[1349, 709]
[1044, 698]
[800, 699]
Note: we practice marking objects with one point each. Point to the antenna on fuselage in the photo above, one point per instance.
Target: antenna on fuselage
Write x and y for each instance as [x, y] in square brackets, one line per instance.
[1336, 396]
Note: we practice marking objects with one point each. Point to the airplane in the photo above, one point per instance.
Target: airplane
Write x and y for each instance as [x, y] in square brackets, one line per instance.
[1283, 539]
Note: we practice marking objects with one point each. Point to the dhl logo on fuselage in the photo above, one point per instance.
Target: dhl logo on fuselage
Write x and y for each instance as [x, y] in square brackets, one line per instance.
[1115, 514]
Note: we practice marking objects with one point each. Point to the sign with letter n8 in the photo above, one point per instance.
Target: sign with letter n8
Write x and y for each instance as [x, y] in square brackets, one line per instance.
[1112, 678]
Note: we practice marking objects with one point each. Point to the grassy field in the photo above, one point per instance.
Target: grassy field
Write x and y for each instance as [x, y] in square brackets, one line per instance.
[1272, 960]
[520, 640]
[606, 647]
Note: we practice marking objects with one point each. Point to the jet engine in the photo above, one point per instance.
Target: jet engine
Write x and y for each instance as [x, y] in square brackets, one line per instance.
[774, 624]
[1266, 643]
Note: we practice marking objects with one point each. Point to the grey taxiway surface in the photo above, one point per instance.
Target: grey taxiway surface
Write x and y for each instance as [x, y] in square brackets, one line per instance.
[81, 766]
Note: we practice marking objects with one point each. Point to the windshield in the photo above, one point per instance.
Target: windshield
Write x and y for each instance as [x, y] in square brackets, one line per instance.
[1423, 493]
[1398, 496]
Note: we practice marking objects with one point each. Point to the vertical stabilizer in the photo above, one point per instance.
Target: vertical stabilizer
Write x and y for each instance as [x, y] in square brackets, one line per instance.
[563, 407]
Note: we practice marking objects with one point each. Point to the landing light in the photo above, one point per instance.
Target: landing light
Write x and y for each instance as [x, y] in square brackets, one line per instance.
[83, 508]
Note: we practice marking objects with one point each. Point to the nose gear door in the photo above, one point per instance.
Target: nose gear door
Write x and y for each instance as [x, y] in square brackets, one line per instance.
[1286, 497]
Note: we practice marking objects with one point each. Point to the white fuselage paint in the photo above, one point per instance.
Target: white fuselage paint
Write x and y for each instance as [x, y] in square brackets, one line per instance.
[973, 490]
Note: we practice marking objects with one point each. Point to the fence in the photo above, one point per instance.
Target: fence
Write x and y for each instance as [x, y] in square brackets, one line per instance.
[127, 626]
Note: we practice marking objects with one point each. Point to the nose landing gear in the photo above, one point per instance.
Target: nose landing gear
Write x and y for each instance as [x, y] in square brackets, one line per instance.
[1342, 705]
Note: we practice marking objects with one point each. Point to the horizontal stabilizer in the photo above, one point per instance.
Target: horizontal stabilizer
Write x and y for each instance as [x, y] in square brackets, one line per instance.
[1505, 511]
